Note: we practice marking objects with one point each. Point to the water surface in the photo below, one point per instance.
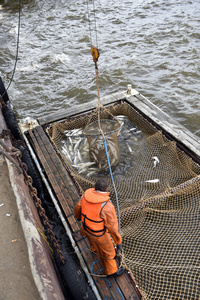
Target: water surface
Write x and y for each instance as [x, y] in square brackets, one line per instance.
[154, 45]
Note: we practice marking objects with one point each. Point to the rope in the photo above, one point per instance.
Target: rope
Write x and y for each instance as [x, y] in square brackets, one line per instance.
[99, 106]
[89, 21]
[95, 22]
[103, 276]
[111, 175]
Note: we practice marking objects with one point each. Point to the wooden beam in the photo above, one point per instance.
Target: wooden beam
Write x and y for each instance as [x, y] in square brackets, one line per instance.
[56, 174]
[78, 109]
[188, 142]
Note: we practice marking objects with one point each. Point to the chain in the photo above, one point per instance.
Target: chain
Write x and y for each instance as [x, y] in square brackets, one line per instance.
[38, 203]
[33, 192]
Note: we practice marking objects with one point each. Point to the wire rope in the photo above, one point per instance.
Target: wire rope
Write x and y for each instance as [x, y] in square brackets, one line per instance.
[95, 23]
[88, 12]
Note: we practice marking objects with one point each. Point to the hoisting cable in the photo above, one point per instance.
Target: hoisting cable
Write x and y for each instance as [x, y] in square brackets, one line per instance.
[95, 54]
[111, 175]
[95, 24]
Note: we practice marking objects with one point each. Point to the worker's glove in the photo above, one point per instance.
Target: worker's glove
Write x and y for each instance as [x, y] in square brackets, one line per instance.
[119, 247]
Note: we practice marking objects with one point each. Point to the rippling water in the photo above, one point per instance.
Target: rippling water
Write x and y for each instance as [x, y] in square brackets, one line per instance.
[152, 44]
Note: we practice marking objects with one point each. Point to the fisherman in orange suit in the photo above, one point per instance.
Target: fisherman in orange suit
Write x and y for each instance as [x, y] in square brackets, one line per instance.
[99, 223]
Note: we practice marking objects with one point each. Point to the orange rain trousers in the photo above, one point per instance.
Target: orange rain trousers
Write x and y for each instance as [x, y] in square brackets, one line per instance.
[105, 249]
[103, 245]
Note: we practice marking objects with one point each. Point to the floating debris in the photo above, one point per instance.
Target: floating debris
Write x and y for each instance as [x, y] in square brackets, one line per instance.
[1, 204]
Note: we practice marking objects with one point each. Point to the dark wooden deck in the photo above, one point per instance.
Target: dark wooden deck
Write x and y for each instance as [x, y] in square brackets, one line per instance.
[65, 190]
[123, 287]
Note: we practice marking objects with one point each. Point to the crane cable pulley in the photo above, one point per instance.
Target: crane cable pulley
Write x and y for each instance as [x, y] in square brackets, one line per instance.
[95, 54]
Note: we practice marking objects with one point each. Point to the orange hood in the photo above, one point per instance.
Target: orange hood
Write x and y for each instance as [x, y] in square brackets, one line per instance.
[93, 196]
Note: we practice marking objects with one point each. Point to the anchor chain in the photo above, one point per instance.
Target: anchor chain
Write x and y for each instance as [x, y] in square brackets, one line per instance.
[14, 152]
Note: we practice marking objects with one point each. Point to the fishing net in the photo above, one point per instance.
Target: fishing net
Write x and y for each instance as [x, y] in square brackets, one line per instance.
[97, 152]
[158, 188]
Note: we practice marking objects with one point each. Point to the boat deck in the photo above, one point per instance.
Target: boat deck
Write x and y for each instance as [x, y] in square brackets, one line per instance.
[64, 189]
[123, 287]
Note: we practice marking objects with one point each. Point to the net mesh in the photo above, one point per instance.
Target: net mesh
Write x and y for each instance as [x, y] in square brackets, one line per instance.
[110, 129]
[158, 188]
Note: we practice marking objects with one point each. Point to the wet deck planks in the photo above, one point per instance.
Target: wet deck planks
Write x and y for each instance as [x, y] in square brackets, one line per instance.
[67, 195]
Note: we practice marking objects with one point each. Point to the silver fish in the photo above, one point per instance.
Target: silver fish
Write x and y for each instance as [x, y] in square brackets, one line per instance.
[68, 132]
[77, 132]
[152, 180]
[82, 171]
[66, 154]
[120, 117]
[70, 140]
[87, 168]
[79, 155]
[70, 148]
[86, 165]
[76, 159]
[119, 132]
[133, 138]
[133, 129]
[77, 144]
[94, 169]
[73, 132]
[90, 173]
[129, 148]
[85, 141]
[156, 161]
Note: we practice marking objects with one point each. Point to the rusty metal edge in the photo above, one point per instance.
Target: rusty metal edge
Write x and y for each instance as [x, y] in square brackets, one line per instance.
[40, 257]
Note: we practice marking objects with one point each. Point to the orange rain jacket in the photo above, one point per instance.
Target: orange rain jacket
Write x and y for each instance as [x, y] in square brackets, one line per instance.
[99, 221]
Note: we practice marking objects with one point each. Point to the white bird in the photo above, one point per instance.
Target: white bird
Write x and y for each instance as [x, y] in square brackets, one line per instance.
[156, 161]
